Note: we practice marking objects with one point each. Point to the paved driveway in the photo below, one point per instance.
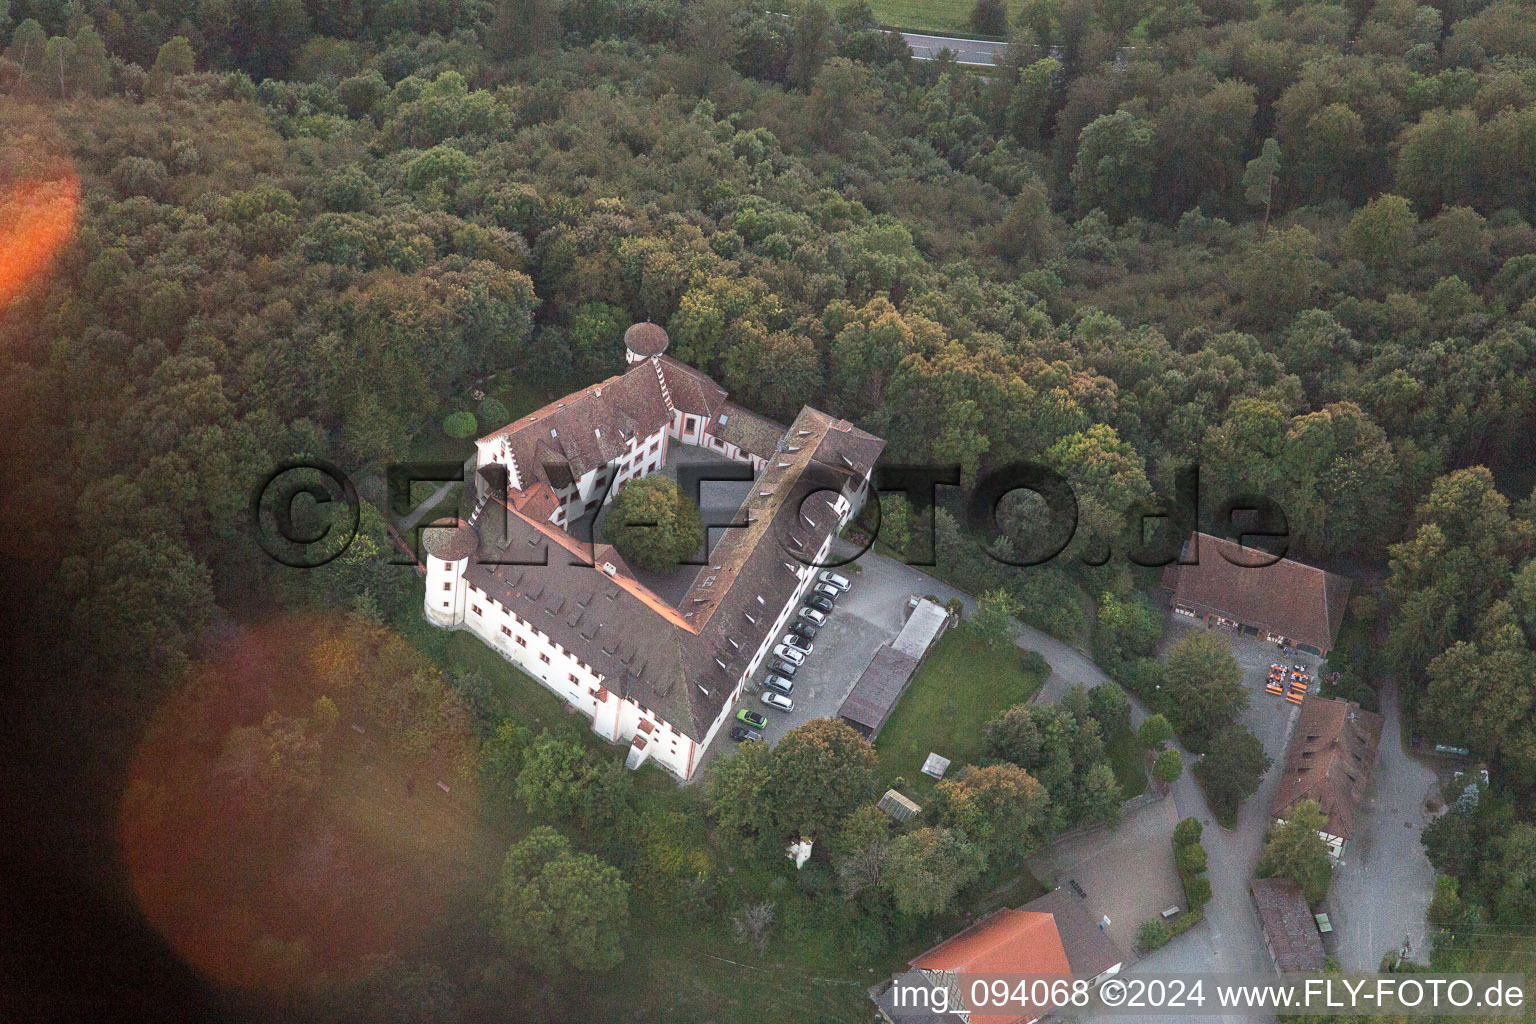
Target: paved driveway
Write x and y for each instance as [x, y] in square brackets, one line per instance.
[1383, 886]
[1127, 874]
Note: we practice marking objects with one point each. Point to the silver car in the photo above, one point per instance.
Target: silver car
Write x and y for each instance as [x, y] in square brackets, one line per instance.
[789, 654]
[774, 681]
[813, 616]
[832, 579]
[777, 700]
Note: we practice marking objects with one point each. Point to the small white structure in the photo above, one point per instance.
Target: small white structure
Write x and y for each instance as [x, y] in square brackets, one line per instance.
[799, 851]
[935, 766]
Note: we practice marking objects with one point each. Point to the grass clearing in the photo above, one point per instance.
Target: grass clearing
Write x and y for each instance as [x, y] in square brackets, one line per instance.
[511, 388]
[938, 16]
[1129, 759]
[961, 685]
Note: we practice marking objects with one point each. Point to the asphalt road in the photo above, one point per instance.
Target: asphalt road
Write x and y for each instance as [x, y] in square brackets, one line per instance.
[1382, 888]
[967, 51]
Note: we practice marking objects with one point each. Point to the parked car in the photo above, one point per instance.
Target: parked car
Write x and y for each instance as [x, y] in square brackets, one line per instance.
[834, 580]
[799, 643]
[752, 718]
[741, 732]
[777, 700]
[813, 616]
[789, 654]
[803, 628]
[783, 668]
[819, 602]
[778, 682]
[827, 591]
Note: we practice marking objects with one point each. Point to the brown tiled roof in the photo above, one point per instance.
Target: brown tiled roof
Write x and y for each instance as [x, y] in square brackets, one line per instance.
[880, 686]
[571, 436]
[646, 339]
[1288, 924]
[449, 540]
[1329, 760]
[693, 391]
[1295, 600]
[1090, 950]
[537, 502]
[746, 430]
[682, 662]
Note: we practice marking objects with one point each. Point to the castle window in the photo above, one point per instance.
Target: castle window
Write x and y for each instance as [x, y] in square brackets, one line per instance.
[506, 631]
[447, 586]
[572, 677]
[521, 642]
[475, 608]
[544, 658]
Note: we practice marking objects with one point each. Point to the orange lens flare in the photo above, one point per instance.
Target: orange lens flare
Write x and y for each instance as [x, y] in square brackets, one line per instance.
[279, 826]
[36, 220]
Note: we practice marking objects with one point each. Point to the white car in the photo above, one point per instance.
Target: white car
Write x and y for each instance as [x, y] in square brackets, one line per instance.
[799, 643]
[832, 579]
[789, 654]
[777, 700]
[813, 616]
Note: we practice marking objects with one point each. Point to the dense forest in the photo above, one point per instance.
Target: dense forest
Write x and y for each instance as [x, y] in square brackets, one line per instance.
[1290, 243]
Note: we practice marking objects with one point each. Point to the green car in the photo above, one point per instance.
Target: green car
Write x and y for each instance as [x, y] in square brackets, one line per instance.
[752, 718]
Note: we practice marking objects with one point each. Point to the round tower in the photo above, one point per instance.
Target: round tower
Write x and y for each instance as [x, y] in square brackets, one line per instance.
[644, 340]
[448, 546]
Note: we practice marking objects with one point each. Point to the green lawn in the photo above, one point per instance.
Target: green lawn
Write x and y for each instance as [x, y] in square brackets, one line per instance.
[1129, 759]
[961, 685]
[946, 16]
[510, 387]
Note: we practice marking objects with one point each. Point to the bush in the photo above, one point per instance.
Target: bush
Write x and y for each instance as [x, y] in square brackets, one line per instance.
[1187, 831]
[460, 424]
[1035, 662]
[1197, 891]
[1154, 933]
[1190, 859]
[492, 411]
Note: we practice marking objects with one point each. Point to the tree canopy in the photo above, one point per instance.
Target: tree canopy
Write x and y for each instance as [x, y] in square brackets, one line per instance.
[653, 525]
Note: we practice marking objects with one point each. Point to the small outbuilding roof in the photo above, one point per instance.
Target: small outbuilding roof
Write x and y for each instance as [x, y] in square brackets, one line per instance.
[875, 694]
[1288, 924]
[923, 627]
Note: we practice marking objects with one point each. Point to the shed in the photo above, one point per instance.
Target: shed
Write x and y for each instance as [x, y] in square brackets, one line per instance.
[898, 806]
[1290, 932]
[889, 672]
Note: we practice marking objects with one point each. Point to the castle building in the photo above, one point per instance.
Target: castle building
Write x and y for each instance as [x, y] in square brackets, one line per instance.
[658, 675]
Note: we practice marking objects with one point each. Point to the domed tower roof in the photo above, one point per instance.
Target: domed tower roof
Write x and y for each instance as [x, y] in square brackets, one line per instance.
[450, 540]
[644, 340]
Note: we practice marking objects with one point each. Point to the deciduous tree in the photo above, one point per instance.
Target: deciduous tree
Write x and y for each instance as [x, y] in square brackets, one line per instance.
[559, 910]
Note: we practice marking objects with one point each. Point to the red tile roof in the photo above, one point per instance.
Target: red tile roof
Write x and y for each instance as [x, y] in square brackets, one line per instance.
[1007, 942]
[1329, 760]
[1289, 598]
